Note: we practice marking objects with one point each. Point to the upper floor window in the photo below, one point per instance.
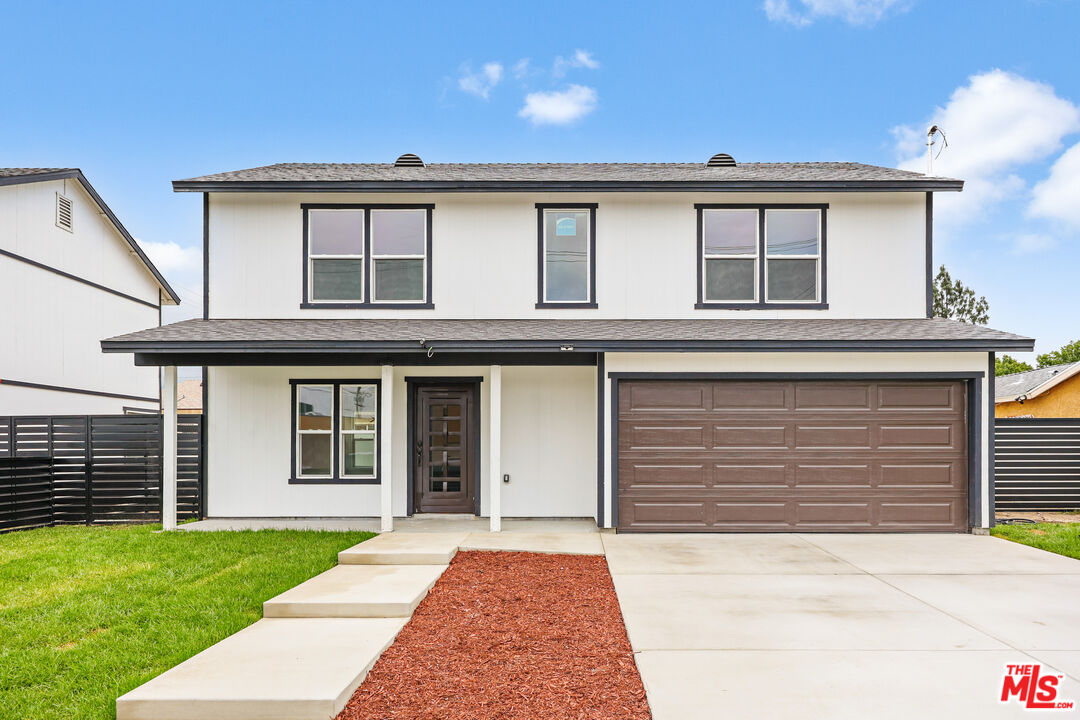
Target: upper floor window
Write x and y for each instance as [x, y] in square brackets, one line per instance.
[367, 256]
[762, 255]
[566, 259]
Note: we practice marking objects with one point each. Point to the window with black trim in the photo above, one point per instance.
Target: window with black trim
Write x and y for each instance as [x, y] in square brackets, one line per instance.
[566, 256]
[335, 431]
[367, 256]
[752, 256]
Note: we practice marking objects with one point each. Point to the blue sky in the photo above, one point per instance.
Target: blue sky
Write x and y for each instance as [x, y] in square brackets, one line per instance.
[139, 94]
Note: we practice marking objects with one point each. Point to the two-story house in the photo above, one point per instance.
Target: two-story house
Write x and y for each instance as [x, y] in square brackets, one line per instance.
[70, 274]
[663, 347]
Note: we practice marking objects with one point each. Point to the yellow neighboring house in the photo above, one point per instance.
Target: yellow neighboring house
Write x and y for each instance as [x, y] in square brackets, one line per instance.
[189, 397]
[1050, 392]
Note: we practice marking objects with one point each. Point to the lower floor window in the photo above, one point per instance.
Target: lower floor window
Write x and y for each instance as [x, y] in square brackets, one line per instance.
[335, 430]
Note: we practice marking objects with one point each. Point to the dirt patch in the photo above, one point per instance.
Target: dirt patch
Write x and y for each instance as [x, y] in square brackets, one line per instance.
[1047, 516]
[509, 635]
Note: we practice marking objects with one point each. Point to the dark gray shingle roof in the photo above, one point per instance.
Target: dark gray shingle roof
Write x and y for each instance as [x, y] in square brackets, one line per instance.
[19, 172]
[407, 334]
[483, 175]
[1022, 383]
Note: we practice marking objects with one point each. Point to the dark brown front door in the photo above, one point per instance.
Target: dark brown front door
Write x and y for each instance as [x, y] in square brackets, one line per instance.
[443, 453]
[817, 455]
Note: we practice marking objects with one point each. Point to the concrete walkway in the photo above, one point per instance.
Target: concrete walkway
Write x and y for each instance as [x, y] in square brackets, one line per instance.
[416, 523]
[842, 626]
[318, 641]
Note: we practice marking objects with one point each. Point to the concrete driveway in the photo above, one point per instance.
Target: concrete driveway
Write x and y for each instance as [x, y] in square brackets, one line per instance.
[843, 626]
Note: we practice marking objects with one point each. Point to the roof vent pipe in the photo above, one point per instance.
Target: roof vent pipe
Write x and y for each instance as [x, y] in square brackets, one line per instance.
[409, 160]
[721, 160]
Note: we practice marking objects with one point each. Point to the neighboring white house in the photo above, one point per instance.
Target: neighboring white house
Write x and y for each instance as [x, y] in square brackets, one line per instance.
[676, 347]
[70, 274]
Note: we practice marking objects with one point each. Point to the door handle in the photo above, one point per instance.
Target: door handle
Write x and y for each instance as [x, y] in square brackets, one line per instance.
[419, 452]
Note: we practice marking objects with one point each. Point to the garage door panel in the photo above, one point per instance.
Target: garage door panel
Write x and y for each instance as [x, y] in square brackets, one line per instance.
[848, 514]
[919, 396]
[736, 396]
[666, 397]
[833, 436]
[660, 474]
[758, 514]
[828, 475]
[898, 436]
[942, 514]
[665, 515]
[846, 456]
[832, 396]
[749, 436]
[656, 435]
[754, 476]
[925, 474]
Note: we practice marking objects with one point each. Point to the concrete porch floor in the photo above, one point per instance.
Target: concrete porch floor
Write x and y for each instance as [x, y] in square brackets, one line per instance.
[430, 523]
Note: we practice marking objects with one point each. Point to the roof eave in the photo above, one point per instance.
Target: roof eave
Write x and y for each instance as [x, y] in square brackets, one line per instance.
[560, 346]
[918, 185]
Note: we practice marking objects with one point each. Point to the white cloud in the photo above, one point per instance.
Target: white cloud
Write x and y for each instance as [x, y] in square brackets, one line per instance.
[996, 124]
[1058, 196]
[853, 12]
[521, 68]
[481, 83]
[580, 59]
[559, 107]
[169, 257]
[1032, 243]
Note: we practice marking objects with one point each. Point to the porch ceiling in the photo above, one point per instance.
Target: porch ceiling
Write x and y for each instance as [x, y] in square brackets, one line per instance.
[420, 338]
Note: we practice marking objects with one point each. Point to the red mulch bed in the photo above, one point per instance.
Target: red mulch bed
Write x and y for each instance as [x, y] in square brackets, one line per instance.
[509, 635]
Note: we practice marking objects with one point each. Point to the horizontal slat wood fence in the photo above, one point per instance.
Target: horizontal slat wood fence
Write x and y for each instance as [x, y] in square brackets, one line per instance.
[1037, 463]
[94, 469]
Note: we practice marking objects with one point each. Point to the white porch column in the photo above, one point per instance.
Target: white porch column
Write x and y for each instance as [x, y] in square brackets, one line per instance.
[495, 448]
[168, 450]
[386, 449]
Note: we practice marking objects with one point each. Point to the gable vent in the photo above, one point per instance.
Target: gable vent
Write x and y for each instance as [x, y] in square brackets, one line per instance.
[63, 212]
[721, 160]
[409, 160]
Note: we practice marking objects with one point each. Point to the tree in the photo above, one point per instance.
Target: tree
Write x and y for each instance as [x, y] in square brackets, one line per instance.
[953, 300]
[1007, 365]
[1067, 353]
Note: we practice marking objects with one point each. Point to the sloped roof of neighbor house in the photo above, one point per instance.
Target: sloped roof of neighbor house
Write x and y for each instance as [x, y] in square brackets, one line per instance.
[20, 176]
[1032, 383]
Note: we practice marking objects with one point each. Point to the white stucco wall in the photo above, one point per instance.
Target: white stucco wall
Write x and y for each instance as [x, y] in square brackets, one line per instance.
[815, 362]
[484, 254]
[548, 445]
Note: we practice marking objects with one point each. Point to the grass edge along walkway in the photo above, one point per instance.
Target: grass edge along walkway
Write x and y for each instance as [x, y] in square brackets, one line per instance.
[89, 613]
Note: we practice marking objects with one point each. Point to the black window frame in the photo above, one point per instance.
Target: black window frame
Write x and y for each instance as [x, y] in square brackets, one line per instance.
[369, 261]
[541, 208]
[335, 433]
[762, 301]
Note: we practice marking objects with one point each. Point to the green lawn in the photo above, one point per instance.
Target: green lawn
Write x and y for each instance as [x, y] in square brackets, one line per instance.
[87, 614]
[1060, 538]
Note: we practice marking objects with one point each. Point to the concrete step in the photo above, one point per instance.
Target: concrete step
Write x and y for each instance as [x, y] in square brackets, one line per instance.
[276, 669]
[551, 542]
[404, 548]
[357, 591]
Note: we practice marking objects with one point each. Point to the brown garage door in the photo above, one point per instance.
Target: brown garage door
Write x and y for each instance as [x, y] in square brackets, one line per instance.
[707, 456]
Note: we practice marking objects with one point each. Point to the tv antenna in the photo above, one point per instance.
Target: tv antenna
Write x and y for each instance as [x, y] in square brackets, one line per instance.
[930, 142]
